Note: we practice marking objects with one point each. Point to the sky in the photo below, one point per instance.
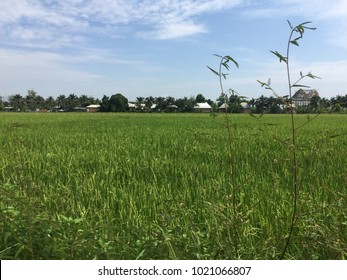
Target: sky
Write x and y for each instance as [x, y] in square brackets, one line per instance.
[143, 48]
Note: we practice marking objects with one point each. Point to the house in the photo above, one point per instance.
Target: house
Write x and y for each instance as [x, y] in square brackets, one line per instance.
[171, 108]
[93, 108]
[203, 107]
[223, 108]
[79, 109]
[303, 97]
[9, 109]
[133, 106]
[246, 108]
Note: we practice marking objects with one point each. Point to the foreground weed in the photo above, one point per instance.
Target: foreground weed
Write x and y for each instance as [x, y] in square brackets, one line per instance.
[229, 125]
[299, 31]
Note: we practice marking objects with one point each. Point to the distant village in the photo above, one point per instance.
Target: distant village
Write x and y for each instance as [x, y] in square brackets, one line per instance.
[302, 101]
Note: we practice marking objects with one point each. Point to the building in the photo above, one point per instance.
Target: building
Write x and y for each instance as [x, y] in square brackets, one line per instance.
[9, 109]
[203, 107]
[93, 108]
[246, 107]
[303, 97]
[133, 106]
[223, 108]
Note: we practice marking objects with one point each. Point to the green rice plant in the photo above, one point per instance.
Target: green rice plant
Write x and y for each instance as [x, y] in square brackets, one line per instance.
[154, 186]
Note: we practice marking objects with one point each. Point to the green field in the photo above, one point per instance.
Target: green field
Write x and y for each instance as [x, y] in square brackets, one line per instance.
[159, 186]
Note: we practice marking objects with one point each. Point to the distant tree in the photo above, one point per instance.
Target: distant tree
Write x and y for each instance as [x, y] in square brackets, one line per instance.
[84, 100]
[104, 104]
[61, 101]
[335, 108]
[274, 105]
[221, 100]
[17, 101]
[341, 100]
[235, 103]
[49, 103]
[200, 98]
[186, 104]
[116, 103]
[33, 100]
[72, 101]
[324, 103]
[139, 101]
[261, 105]
[170, 100]
[161, 103]
[149, 101]
[314, 103]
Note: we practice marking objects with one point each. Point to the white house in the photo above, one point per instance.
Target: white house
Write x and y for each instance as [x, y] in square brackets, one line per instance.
[303, 97]
[93, 108]
[203, 107]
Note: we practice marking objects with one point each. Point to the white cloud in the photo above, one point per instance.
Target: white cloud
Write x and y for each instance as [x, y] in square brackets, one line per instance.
[174, 30]
[25, 20]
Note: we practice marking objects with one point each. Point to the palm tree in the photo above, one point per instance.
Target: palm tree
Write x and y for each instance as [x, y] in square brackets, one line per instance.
[61, 101]
[16, 101]
[50, 103]
[72, 101]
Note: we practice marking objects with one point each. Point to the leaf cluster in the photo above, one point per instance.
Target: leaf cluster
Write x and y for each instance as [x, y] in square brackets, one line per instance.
[299, 29]
[225, 60]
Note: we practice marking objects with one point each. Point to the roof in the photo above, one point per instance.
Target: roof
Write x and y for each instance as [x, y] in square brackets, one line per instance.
[204, 105]
[245, 105]
[305, 94]
[92, 106]
[172, 106]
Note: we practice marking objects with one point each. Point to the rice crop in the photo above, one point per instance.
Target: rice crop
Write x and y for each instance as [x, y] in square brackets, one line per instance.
[158, 186]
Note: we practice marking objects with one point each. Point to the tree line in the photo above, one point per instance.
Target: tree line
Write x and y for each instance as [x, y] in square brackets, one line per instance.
[119, 103]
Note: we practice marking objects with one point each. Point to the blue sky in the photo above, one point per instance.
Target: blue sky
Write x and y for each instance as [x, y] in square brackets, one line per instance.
[161, 47]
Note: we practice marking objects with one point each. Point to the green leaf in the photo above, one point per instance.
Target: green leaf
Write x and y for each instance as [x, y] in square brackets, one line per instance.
[294, 42]
[290, 25]
[214, 71]
[19, 250]
[295, 85]
[225, 64]
[310, 75]
[233, 60]
[281, 57]
[262, 84]
[218, 55]
[306, 22]
[78, 220]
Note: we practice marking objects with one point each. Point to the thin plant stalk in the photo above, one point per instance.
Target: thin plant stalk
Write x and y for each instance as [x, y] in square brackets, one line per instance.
[293, 142]
[224, 62]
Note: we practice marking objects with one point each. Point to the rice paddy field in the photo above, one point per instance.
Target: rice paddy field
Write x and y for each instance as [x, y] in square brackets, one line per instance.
[170, 186]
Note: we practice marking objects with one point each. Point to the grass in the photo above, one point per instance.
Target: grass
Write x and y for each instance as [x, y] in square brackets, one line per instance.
[157, 186]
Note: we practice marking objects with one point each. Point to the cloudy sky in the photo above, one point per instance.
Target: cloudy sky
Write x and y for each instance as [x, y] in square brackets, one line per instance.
[162, 47]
